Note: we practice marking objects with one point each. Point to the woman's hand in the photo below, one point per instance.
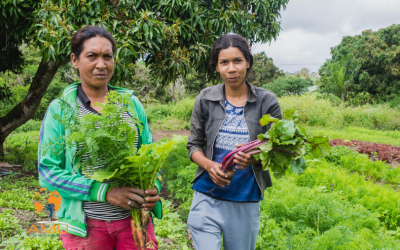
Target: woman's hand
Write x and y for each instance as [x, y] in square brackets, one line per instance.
[217, 176]
[151, 201]
[243, 160]
[131, 197]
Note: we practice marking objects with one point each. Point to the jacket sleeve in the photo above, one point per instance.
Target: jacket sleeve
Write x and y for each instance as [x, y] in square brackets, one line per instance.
[53, 172]
[196, 141]
[275, 108]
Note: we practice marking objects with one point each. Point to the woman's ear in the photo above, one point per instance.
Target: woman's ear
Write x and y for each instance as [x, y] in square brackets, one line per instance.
[74, 61]
[247, 64]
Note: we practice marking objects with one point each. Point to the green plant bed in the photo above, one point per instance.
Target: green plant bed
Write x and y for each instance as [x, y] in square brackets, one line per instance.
[8, 224]
[171, 230]
[348, 159]
[377, 198]
[43, 242]
[313, 217]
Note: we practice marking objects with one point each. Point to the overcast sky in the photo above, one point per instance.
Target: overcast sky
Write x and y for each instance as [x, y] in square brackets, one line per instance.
[312, 27]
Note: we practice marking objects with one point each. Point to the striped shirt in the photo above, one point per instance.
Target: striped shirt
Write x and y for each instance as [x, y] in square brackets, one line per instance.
[100, 210]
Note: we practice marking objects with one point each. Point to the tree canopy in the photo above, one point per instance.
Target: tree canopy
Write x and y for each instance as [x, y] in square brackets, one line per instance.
[264, 70]
[373, 65]
[288, 86]
[171, 36]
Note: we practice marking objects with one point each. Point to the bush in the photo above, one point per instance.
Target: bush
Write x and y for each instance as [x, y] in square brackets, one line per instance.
[170, 116]
[22, 149]
[31, 125]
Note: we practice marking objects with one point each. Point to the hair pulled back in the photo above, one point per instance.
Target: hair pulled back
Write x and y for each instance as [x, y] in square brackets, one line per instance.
[231, 40]
[86, 33]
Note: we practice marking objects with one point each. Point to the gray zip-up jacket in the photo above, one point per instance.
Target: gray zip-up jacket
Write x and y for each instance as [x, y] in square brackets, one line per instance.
[209, 114]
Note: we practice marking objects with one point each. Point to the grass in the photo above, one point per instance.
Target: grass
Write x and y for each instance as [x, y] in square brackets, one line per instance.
[314, 111]
[359, 134]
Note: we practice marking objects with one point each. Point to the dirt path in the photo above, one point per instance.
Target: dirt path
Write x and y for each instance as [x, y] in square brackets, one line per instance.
[157, 135]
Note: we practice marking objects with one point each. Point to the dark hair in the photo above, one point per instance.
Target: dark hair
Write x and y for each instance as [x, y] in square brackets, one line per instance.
[86, 33]
[231, 40]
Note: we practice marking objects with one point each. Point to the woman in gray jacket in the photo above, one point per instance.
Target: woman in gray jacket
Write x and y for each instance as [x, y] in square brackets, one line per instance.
[224, 117]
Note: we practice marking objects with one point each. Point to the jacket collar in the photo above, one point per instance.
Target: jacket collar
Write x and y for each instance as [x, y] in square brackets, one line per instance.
[216, 93]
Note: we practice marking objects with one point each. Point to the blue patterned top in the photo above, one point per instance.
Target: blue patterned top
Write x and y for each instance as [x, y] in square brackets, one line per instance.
[243, 186]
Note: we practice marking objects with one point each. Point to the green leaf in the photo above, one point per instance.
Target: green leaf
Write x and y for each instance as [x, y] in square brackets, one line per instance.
[103, 175]
[283, 131]
[266, 119]
[320, 145]
[298, 166]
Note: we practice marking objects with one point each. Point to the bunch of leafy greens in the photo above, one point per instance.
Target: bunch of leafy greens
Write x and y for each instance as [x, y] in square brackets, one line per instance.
[282, 145]
[141, 172]
[286, 144]
[106, 137]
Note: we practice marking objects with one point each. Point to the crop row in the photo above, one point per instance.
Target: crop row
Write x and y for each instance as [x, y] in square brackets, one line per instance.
[382, 152]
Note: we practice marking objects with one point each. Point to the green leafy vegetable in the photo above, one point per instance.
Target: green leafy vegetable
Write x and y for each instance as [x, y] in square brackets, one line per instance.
[282, 146]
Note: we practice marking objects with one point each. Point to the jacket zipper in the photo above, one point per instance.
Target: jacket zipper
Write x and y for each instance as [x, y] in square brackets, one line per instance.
[252, 167]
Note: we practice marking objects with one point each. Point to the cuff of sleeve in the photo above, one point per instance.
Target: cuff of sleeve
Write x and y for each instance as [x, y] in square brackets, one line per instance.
[98, 191]
[192, 152]
[158, 185]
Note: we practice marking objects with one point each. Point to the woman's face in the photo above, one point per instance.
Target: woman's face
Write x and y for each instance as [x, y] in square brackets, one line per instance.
[95, 63]
[232, 66]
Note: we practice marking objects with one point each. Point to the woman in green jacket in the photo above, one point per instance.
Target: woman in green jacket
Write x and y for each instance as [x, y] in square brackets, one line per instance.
[93, 215]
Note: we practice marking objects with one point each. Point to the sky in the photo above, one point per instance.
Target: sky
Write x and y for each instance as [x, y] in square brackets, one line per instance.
[311, 27]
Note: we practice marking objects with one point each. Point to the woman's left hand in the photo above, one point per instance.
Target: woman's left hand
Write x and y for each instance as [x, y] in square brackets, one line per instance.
[152, 200]
[243, 160]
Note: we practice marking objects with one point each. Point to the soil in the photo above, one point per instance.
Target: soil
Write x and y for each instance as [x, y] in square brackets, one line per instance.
[166, 195]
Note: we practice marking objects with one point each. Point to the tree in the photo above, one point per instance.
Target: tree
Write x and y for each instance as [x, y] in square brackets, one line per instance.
[194, 82]
[263, 70]
[171, 37]
[373, 65]
[337, 78]
[288, 86]
[304, 73]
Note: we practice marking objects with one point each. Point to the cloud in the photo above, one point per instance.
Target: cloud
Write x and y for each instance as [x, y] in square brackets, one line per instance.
[312, 27]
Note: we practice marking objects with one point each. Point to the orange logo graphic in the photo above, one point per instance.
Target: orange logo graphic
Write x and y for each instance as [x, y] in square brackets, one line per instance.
[53, 201]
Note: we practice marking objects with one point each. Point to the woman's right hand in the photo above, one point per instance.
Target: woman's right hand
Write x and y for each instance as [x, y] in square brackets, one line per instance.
[217, 176]
[120, 196]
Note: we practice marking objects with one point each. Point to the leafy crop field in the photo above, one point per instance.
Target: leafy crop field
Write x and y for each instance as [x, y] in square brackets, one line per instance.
[347, 200]
[343, 201]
